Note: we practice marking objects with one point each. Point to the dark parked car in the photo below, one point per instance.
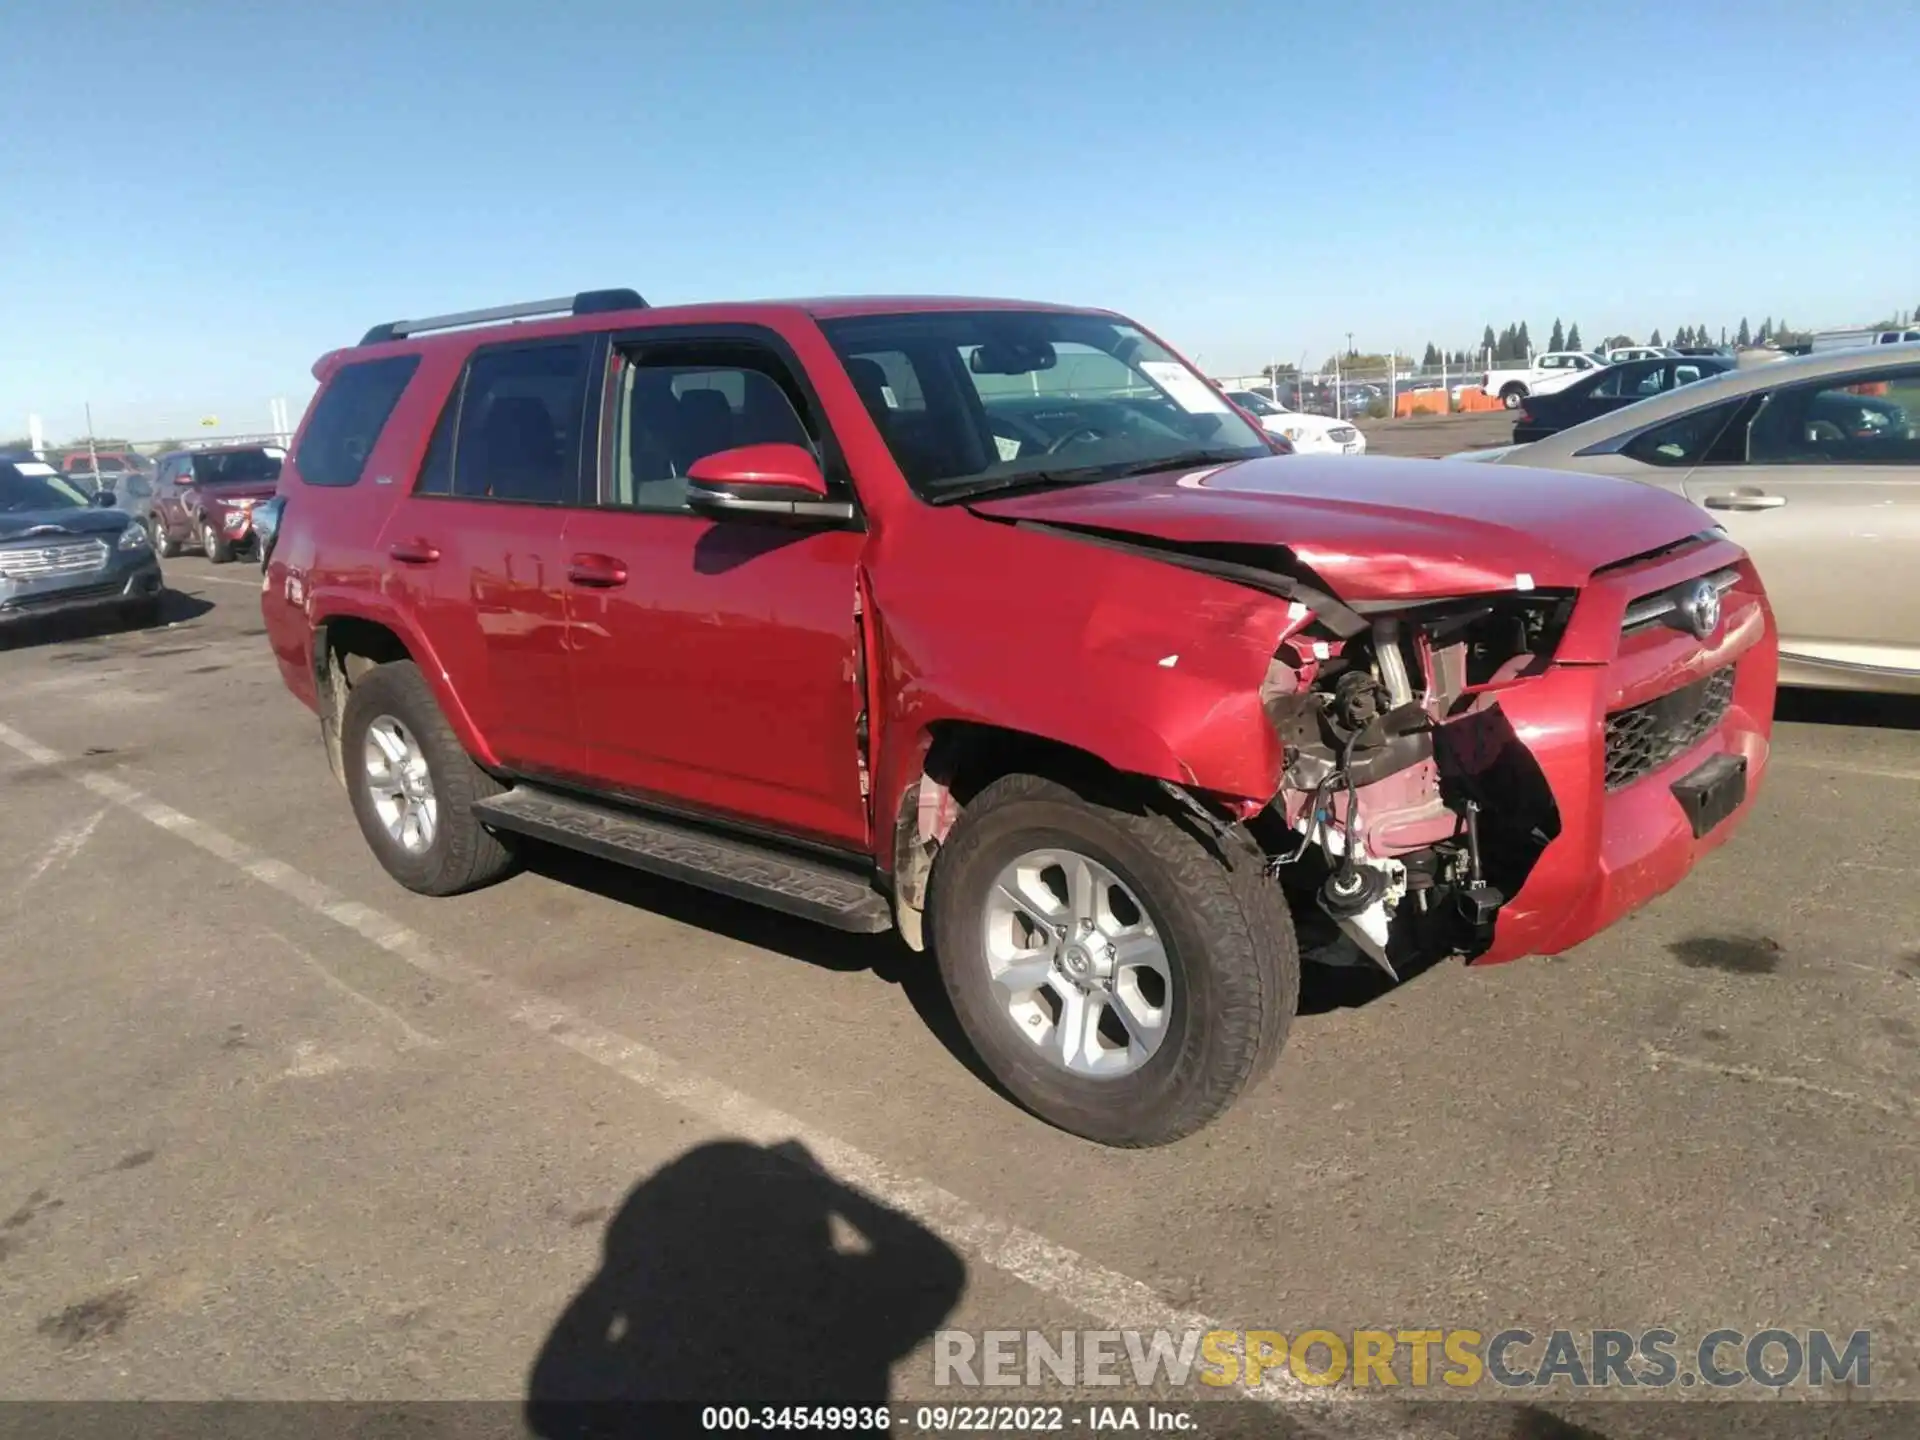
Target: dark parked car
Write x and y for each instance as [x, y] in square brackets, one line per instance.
[1610, 389]
[205, 498]
[63, 550]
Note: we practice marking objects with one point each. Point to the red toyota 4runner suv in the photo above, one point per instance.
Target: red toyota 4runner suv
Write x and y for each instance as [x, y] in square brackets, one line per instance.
[998, 624]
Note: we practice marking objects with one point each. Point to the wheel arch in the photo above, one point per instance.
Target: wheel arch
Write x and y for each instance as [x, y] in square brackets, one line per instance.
[347, 643]
[950, 761]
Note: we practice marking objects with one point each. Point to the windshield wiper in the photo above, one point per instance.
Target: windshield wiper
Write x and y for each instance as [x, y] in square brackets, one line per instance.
[1082, 475]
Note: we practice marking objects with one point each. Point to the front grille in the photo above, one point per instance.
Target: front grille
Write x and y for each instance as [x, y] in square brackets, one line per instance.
[1670, 605]
[1341, 434]
[1641, 740]
[49, 562]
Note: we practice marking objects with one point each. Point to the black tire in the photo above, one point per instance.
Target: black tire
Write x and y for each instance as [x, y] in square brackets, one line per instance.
[161, 538]
[219, 549]
[1512, 396]
[1228, 936]
[464, 854]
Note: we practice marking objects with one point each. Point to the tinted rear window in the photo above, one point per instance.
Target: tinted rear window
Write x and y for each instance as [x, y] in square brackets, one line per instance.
[237, 467]
[349, 416]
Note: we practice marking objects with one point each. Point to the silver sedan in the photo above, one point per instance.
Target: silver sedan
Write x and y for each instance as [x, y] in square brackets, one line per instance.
[1813, 465]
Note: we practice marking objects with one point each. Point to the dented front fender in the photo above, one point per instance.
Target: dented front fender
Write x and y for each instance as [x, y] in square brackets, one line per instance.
[1154, 669]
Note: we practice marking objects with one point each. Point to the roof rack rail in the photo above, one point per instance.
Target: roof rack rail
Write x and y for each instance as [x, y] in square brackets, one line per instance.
[587, 302]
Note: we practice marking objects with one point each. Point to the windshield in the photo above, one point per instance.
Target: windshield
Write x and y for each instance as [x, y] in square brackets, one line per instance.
[236, 467]
[1257, 404]
[970, 402]
[36, 487]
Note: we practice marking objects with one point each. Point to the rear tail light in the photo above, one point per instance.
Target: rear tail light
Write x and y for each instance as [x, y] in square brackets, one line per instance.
[1526, 416]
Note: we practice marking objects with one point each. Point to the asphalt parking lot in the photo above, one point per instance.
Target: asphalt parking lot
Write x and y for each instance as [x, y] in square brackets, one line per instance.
[275, 1128]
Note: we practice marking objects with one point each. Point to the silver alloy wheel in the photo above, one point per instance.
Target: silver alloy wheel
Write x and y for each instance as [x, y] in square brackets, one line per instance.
[401, 785]
[1077, 964]
[208, 539]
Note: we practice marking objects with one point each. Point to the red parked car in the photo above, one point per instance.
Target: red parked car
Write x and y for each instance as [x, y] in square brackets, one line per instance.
[205, 498]
[998, 624]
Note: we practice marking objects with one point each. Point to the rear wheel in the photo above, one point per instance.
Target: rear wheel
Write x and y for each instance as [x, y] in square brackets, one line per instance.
[1116, 975]
[413, 787]
[1512, 396]
[161, 538]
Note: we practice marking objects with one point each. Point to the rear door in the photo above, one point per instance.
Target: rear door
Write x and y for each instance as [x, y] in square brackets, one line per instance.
[476, 547]
[1825, 495]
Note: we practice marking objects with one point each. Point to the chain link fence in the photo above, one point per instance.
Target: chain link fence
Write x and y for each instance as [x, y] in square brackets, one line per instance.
[1374, 391]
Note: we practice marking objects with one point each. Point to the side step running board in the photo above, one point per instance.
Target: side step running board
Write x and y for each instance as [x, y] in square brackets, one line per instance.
[811, 889]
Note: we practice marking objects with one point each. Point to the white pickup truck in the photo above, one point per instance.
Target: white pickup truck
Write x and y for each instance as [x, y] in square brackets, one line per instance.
[1549, 372]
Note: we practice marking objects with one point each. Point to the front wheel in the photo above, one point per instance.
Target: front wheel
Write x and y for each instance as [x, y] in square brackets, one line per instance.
[1118, 976]
[219, 549]
[413, 787]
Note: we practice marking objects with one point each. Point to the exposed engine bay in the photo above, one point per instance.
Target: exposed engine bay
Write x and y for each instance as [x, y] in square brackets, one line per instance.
[1408, 811]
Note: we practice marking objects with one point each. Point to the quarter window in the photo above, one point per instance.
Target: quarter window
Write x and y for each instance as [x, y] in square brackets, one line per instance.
[519, 427]
[348, 418]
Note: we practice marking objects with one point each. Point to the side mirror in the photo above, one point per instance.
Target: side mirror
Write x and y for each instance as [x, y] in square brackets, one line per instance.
[183, 477]
[777, 482]
[105, 499]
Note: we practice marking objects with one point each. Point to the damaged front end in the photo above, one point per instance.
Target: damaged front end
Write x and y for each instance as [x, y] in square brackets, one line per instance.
[1409, 811]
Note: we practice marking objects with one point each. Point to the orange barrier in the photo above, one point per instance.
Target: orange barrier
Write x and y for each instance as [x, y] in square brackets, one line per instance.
[1434, 402]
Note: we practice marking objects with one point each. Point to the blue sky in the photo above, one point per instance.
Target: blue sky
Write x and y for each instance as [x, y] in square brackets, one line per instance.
[197, 200]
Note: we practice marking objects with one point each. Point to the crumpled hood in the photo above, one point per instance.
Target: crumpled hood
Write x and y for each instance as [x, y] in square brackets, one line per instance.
[1386, 529]
[60, 524]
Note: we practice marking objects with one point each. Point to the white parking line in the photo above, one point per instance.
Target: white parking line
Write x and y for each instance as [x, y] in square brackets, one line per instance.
[1117, 1301]
[1657, 1058]
[224, 580]
[65, 846]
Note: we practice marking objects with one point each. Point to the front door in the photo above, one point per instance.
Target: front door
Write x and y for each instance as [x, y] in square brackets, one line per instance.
[1827, 502]
[716, 664]
[477, 546]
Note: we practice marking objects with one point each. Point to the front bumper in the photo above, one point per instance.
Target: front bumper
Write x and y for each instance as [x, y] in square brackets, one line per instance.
[1615, 850]
[127, 576]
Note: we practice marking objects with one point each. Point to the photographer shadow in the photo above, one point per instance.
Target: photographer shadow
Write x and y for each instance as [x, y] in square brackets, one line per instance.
[744, 1275]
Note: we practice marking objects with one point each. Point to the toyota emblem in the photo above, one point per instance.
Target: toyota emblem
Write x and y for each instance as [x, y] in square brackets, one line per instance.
[1700, 608]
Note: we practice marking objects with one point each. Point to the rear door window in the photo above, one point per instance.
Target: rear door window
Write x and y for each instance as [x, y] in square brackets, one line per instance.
[1683, 440]
[348, 418]
[518, 437]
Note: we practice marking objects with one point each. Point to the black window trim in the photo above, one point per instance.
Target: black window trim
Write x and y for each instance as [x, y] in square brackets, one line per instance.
[412, 361]
[591, 343]
[833, 462]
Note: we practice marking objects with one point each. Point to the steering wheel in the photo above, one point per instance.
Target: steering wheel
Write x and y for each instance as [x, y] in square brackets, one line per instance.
[1061, 442]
